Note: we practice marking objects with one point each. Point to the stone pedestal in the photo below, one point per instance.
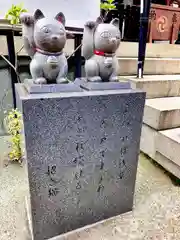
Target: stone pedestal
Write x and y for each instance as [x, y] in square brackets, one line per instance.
[98, 86]
[82, 152]
[51, 88]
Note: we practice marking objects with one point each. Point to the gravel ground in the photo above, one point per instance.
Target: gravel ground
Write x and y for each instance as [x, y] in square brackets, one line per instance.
[156, 214]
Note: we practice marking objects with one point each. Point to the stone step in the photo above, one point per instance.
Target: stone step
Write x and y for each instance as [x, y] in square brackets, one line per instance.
[160, 58]
[125, 50]
[167, 164]
[161, 147]
[148, 141]
[128, 66]
[168, 144]
[162, 113]
[157, 86]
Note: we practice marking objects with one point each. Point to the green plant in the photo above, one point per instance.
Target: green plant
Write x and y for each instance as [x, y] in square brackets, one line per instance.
[13, 123]
[108, 5]
[14, 12]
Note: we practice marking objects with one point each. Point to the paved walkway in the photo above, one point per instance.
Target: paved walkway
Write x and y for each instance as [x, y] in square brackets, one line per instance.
[156, 213]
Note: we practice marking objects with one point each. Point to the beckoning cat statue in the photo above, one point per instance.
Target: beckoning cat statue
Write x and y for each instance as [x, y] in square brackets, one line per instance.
[100, 42]
[44, 40]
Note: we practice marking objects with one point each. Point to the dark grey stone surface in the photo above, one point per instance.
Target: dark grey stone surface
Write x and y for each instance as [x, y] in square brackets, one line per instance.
[94, 86]
[50, 88]
[82, 153]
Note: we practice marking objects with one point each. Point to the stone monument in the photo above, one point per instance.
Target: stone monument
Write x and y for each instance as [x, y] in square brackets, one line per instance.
[82, 152]
[81, 148]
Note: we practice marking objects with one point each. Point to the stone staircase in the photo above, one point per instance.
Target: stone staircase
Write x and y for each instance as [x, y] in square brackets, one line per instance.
[160, 138]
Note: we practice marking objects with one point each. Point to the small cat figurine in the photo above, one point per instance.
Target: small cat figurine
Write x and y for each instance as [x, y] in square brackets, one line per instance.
[44, 40]
[100, 42]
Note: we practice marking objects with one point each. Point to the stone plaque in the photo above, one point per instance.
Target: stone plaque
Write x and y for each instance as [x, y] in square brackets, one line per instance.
[82, 153]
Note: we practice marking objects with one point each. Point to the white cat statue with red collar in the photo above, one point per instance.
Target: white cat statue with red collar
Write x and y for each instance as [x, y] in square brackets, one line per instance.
[99, 45]
[44, 40]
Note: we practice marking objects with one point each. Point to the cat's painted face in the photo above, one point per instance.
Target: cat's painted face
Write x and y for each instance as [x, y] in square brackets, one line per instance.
[49, 34]
[107, 38]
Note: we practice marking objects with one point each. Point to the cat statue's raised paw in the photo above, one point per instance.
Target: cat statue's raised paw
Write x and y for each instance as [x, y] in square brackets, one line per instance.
[44, 40]
[100, 42]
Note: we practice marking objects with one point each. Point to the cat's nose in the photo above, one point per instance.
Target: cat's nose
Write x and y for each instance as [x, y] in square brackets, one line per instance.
[54, 37]
[113, 40]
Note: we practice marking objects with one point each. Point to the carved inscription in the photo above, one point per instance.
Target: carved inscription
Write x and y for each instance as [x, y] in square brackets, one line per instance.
[103, 140]
[82, 173]
[79, 161]
[53, 191]
[80, 124]
[123, 152]
[52, 172]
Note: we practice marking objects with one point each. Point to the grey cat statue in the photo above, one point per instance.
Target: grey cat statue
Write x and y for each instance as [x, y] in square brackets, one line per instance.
[44, 40]
[99, 45]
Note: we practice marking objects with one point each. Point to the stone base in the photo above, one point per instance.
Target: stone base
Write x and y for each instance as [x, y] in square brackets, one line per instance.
[98, 86]
[50, 88]
[82, 153]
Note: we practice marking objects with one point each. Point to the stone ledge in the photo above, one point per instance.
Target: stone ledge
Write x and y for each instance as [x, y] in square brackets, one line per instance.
[128, 66]
[157, 86]
[167, 164]
[148, 141]
[161, 149]
[168, 144]
[162, 113]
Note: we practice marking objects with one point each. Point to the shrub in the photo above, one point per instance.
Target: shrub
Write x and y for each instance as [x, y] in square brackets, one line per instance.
[13, 123]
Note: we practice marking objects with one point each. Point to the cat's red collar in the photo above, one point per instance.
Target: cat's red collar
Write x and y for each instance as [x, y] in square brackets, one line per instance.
[96, 52]
[100, 53]
[47, 53]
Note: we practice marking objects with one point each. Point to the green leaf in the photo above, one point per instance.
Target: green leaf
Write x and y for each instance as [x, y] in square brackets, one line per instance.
[13, 14]
[108, 5]
[110, 1]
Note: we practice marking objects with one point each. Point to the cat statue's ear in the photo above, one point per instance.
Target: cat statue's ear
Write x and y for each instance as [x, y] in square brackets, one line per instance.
[93, 24]
[61, 18]
[99, 20]
[115, 22]
[38, 15]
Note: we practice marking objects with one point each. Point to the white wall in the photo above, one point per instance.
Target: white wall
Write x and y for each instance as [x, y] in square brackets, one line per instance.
[77, 12]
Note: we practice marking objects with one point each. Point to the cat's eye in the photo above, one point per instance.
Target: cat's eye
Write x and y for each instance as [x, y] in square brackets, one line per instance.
[105, 34]
[46, 30]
